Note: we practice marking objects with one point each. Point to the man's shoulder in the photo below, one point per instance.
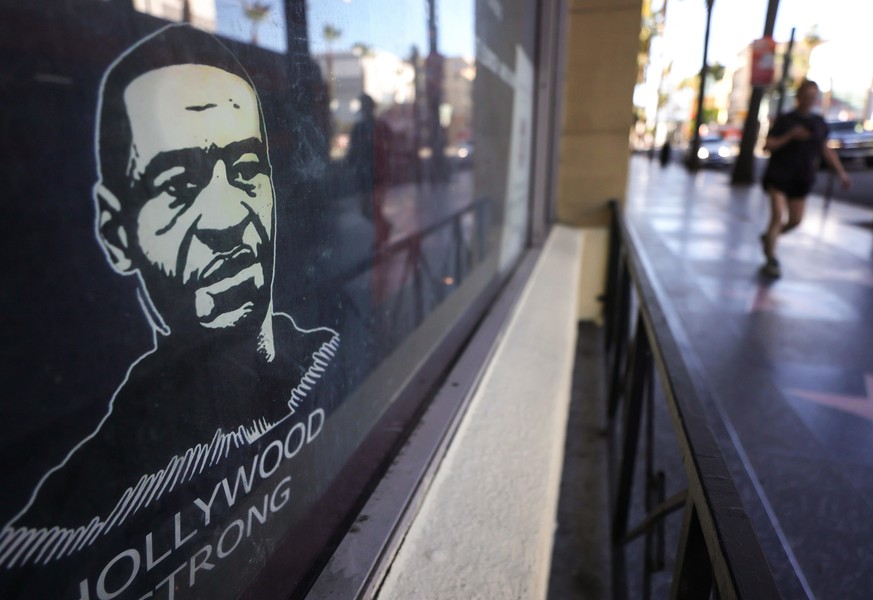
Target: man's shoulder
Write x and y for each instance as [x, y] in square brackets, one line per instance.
[87, 483]
[305, 355]
[286, 331]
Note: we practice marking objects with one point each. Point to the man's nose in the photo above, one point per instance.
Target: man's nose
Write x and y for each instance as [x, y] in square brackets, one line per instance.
[222, 212]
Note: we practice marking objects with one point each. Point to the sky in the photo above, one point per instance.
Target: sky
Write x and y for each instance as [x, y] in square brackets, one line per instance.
[389, 25]
[231, 22]
[395, 25]
[735, 23]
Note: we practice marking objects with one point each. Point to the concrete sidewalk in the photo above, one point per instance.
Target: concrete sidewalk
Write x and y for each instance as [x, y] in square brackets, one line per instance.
[789, 362]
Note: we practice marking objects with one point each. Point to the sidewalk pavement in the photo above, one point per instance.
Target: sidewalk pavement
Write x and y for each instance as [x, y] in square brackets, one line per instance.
[789, 362]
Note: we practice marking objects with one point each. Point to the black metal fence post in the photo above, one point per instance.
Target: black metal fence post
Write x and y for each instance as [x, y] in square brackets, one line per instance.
[612, 268]
[714, 556]
[620, 341]
[639, 375]
[692, 575]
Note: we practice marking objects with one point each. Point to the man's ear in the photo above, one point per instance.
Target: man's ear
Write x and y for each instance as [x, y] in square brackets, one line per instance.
[110, 229]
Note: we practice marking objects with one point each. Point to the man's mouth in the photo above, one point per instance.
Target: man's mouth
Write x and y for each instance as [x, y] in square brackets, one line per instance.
[227, 265]
[229, 298]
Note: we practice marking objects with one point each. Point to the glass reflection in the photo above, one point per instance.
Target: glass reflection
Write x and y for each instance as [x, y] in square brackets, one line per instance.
[384, 212]
[391, 119]
[399, 133]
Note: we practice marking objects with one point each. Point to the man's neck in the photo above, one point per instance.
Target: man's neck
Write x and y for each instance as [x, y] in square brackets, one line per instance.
[222, 341]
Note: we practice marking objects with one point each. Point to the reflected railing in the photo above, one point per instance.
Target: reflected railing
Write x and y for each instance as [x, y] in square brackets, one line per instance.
[392, 290]
[719, 554]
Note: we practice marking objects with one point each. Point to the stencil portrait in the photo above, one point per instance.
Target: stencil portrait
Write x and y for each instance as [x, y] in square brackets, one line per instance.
[185, 203]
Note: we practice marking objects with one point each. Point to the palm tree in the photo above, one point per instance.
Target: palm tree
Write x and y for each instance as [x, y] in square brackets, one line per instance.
[362, 50]
[717, 71]
[331, 34]
[256, 12]
[810, 41]
[813, 37]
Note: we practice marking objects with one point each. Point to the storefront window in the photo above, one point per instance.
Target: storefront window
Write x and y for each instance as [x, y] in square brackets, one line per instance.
[236, 233]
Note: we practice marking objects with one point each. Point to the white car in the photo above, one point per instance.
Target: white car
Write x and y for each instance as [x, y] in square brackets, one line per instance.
[716, 151]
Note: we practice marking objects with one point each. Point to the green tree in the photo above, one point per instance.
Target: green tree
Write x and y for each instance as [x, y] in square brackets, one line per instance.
[802, 51]
[256, 12]
[361, 50]
[331, 34]
[716, 71]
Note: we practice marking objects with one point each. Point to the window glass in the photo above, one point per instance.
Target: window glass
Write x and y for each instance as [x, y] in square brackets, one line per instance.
[238, 240]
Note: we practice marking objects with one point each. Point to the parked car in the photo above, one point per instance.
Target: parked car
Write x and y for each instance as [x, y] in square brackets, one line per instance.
[850, 140]
[464, 154]
[717, 151]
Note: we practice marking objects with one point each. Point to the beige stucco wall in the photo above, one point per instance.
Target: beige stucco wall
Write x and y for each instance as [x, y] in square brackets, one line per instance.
[601, 67]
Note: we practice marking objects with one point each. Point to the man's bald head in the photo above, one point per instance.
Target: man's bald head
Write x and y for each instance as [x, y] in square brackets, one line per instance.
[171, 46]
[185, 196]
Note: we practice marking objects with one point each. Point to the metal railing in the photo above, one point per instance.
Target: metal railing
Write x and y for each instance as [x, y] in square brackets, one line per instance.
[719, 554]
[417, 271]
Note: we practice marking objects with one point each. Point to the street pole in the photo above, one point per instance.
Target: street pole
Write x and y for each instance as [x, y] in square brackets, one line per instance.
[786, 65]
[416, 121]
[691, 160]
[662, 20]
[744, 169]
[434, 93]
[868, 105]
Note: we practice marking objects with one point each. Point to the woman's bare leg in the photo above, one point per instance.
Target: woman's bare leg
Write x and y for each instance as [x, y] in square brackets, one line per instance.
[795, 213]
[778, 203]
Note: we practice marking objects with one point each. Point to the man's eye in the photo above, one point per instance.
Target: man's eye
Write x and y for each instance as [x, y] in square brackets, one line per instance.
[180, 188]
[179, 183]
[247, 167]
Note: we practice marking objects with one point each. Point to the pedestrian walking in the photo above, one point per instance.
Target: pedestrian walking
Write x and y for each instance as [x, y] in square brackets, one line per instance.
[666, 150]
[369, 157]
[370, 148]
[796, 142]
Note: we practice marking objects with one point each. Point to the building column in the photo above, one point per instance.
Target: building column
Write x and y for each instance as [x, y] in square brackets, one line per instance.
[601, 68]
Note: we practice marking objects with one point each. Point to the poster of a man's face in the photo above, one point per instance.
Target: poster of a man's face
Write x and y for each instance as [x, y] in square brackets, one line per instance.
[194, 214]
[184, 201]
[202, 176]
